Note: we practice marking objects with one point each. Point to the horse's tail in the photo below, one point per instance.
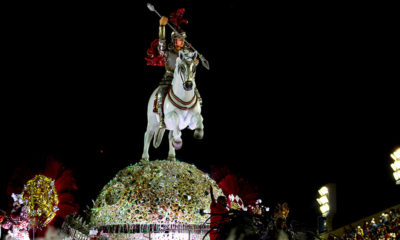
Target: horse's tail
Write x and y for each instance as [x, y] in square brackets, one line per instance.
[158, 137]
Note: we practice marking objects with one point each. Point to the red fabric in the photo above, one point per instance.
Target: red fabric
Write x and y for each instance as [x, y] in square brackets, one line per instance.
[65, 184]
[176, 18]
[217, 211]
[218, 173]
[231, 184]
[153, 55]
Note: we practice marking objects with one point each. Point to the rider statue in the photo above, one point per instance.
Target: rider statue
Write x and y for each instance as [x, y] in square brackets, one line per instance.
[166, 56]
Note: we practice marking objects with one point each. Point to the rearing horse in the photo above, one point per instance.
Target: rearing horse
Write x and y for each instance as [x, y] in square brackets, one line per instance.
[181, 108]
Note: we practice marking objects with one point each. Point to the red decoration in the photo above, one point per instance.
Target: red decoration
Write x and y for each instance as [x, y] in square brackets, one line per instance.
[217, 218]
[232, 184]
[153, 55]
[176, 18]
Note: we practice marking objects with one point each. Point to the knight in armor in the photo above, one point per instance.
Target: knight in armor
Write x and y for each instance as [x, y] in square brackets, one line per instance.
[169, 53]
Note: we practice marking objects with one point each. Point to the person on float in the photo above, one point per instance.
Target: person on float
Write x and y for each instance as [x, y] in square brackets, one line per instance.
[219, 216]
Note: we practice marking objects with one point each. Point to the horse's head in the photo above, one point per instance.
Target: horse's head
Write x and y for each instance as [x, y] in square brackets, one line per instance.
[185, 69]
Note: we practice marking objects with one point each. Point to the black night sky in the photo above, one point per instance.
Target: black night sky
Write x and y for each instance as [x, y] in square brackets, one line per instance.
[298, 95]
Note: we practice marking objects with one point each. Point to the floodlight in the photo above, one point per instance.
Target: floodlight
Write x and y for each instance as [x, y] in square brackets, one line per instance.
[396, 155]
[395, 165]
[322, 200]
[324, 209]
[323, 191]
[397, 175]
[327, 205]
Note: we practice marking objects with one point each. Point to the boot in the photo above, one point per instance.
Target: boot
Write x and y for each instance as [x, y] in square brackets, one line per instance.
[160, 108]
[162, 123]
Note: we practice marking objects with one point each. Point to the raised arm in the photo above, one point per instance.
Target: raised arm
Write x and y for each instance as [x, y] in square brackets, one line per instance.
[162, 43]
[212, 195]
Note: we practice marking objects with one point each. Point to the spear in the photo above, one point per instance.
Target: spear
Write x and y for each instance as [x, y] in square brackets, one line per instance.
[204, 61]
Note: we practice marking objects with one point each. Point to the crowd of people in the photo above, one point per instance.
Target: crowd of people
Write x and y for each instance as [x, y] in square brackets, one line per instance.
[387, 227]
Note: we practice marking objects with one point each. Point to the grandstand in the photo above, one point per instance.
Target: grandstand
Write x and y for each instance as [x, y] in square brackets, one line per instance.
[386, 222]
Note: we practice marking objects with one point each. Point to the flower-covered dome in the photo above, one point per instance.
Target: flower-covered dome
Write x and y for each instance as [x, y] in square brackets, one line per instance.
[155, 192]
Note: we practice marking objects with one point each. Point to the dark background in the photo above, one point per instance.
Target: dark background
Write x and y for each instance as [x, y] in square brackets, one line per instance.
[298, 95]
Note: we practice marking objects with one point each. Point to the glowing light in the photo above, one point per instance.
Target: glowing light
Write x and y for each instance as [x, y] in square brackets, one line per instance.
[395, 165]
[396, 175]
[396, 155]
[324, 209]
[323, 200]
[323, 191]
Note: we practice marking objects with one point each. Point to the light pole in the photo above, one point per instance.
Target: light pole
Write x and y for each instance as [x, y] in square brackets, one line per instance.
[327, 206]
[396, 165]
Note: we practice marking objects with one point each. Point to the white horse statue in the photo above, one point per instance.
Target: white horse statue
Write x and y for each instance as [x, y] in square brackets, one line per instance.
[181, 107]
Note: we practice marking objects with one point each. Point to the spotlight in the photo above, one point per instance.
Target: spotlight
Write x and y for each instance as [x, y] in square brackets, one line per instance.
[324, 209]
[323, 191]
[396, 155]
[327, 207]
[323, 200]
[396, 175]
[396, 165]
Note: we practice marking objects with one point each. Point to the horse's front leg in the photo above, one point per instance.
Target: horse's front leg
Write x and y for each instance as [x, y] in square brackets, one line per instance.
[171, 153]
[196, 124]
[172, 122]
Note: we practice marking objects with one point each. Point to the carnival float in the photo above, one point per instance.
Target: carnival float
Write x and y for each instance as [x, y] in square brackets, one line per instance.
[152, 199]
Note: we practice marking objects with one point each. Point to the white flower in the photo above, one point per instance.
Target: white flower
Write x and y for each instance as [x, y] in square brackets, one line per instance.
[55, 209]
[231, 197]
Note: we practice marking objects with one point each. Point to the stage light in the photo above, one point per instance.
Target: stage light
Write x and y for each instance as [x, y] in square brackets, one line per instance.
[324, 209]
[327, 206]
[323, 200]
[396, 175]
[323, 191]
[396, 165]
[396, 155]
